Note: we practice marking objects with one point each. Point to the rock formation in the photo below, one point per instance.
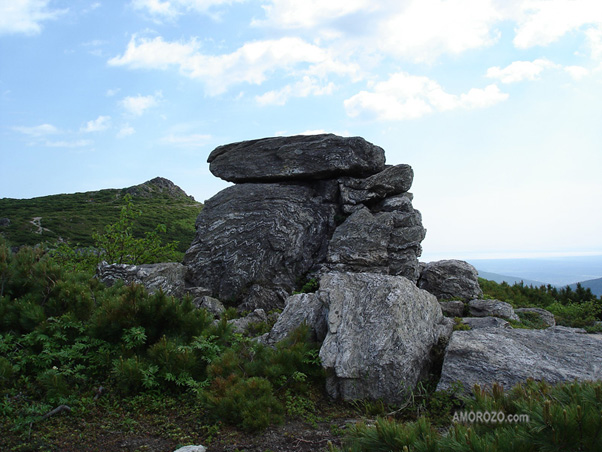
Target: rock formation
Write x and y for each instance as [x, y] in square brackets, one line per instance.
[303, 204]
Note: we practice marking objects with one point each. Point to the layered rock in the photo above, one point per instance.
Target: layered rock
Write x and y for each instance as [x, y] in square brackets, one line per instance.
[303, 157]
[167, 277]
[510, 356]
[304, 204]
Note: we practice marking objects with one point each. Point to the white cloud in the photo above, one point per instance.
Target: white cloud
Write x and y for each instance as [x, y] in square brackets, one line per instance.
[195, 140]
[594, 37]
[419, 30]
[137, 105]
[311, 13]
[68, 144]
[174, 8]
[37, 131]
[25, 16]
[125, 131]
[542, 22]
[307, 86]
[520, 70]
[406, 96]
[251, 63]
[577, 72]
[97, 125]
[423, 30]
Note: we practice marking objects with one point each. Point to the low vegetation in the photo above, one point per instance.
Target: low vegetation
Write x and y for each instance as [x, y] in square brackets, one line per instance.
[84, 365]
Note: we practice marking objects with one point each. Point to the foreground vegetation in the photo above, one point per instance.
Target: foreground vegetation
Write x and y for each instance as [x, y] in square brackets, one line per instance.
[84, 367]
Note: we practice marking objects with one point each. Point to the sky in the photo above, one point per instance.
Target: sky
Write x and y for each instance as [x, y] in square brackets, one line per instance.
[496, 104]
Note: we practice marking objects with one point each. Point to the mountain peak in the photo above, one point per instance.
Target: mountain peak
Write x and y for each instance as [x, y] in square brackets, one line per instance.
[155, 186]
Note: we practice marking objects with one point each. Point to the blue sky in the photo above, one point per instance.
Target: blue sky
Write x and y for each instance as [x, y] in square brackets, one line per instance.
[495, 103]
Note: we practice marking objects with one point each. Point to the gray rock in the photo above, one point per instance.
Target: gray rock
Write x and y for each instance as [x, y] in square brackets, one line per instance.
[305, 308]
[384, 242]
[191, 449]
[546, 316]
[510, 356]
[362, 242]
[266, 234]
[381, 329]
[454, 308]
[299, 157]
[491, 308]
[243, 324]
[396, 203]
[393, 180]
[4, 222]
[211, 305]
[168, 277]
[485, 322]
[565, 329]
[448, 279]
[445, 328]
[196, 292]
[260, 297]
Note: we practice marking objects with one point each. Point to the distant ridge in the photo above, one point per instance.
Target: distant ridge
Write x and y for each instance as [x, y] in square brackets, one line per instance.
[510, 279]
[75, 217]
[594, 284]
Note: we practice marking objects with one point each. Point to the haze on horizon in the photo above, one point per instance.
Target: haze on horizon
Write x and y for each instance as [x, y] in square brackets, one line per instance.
[495, 104]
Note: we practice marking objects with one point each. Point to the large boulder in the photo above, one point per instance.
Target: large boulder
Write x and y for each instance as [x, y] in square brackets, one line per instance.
[324, 156]
[168, 277]
[268, 234]
[510, 356]
[449, 279]
[381, 329]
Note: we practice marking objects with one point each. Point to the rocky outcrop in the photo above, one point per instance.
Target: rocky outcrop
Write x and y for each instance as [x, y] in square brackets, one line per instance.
[449, 279]
[381, 329]
[302, 205]
[168, 277]
[509, 356]
[296, 158]
[492, 308]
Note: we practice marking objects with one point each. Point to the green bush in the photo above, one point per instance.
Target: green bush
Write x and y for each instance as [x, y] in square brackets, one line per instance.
[551, 418]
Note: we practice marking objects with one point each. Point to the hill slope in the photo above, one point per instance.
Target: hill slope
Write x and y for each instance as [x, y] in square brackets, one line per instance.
[75, 217]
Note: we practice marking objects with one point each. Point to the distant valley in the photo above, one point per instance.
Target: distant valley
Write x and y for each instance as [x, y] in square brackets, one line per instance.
[558, 271]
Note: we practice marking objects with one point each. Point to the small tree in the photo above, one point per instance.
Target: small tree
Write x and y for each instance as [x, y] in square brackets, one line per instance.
[119, 245]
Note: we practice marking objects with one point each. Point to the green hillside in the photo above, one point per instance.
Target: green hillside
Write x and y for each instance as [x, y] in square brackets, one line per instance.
[75, 217]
